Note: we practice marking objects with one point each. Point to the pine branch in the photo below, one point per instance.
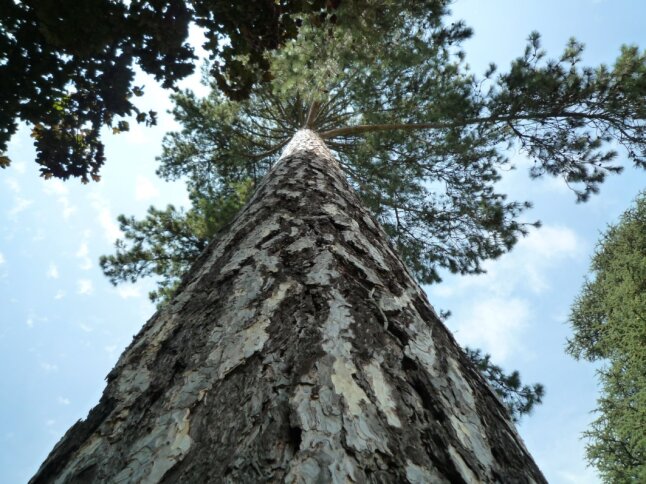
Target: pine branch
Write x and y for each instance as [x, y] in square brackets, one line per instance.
[360, 129]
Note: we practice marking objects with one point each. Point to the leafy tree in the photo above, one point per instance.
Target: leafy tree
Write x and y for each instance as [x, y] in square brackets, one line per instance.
[609, 323]
[67, 68]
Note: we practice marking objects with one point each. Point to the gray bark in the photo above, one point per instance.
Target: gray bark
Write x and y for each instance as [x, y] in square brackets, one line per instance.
[298, 349]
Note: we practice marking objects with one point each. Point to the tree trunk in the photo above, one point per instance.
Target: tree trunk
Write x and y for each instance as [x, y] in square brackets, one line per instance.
[298, 349]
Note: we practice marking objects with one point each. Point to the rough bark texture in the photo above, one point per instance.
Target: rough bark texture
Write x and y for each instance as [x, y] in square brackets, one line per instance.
[299, 349]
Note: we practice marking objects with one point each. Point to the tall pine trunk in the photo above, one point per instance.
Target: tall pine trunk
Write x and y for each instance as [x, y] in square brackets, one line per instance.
[298, 349]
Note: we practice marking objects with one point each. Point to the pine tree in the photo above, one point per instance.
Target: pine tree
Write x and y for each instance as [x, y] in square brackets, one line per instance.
[167, 242]
[420, 137]
[299, 349]
[608, 319]
[417, 134]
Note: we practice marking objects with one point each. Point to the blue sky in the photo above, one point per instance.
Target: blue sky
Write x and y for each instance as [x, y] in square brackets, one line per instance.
[62, 325]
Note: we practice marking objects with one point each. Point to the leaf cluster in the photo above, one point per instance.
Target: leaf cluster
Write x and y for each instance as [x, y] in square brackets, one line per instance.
[609, 323]
[518, 399]
[566, 117]
[67, 67]
[414, 182]
[167, 242]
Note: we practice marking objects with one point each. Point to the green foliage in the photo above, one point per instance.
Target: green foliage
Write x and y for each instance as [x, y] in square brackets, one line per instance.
[609, 323]
[565, 116]
[67, 67]
[518, 399]
[433, 189]
[167, 242]
[330, 78]
[421, 138]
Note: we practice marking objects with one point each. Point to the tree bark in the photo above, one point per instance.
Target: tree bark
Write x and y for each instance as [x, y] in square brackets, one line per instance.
[298, 349]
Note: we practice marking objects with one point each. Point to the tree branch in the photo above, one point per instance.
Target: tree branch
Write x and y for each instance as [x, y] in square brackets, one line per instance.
[371, 128]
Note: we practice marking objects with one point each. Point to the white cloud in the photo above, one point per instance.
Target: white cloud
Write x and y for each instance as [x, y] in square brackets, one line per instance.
[107, 221]
[127, 292]
[443, 290]
[85, 327]
[58, 188]
[34, 318]
[110, 227]
[137, 135]
[525, 268]
[583, 476]
[167, 122]
[85, 286]
[52, 272]
[60, 294]
[55, 186]
[68, 209]
[19, 166]
[13, 185]
[145, 189]
[495, 325]
[63, 400]
[111, 350]
[49, 367]
[489, 311]
[20, 205]
[552, 242]
[82, 253]
[2, 259]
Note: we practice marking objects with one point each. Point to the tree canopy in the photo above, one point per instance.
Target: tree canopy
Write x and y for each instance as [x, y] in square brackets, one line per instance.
[609, 323]
[67, 68]
[422, 139]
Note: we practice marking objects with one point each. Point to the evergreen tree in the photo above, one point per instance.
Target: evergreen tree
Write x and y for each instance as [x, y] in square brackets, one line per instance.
[298, 349]
[167, 243]
[609, 323]
[420, 137]
[422, 140]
